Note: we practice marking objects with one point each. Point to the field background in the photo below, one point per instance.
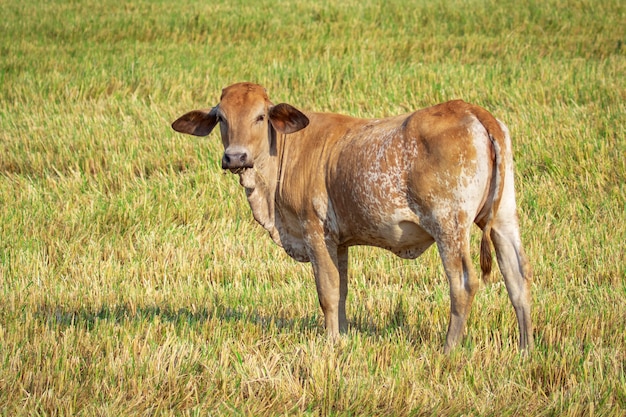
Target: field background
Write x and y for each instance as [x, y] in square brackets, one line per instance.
[134, 281]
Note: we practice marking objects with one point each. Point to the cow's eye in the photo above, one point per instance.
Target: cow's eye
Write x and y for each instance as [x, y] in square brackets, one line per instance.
[260, 118]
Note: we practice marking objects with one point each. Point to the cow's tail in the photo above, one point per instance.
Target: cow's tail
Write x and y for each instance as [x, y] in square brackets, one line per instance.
[497, 137]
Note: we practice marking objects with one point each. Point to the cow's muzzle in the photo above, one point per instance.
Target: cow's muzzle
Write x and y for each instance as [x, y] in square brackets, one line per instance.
[236, 160]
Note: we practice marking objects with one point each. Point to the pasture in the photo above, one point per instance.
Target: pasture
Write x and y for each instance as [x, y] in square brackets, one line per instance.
[134, 280]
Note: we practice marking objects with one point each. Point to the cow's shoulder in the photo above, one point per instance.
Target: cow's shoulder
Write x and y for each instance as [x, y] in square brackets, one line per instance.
[332, 125]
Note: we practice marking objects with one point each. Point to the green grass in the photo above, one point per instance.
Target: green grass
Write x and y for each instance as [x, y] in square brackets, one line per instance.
[134, 281]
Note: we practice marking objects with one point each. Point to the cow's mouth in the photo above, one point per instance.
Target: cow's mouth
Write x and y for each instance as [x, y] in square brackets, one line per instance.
[239, 170]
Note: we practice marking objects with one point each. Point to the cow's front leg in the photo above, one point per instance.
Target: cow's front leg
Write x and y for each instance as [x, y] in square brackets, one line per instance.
[330, 266]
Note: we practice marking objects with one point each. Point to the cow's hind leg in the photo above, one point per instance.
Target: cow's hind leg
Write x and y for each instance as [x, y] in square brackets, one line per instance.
[516, 271]
[455, 255]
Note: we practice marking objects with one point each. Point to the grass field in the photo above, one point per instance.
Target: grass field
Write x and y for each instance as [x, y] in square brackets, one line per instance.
[134, 281]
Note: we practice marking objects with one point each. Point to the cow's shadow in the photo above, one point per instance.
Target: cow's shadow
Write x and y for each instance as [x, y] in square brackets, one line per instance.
[60, 317]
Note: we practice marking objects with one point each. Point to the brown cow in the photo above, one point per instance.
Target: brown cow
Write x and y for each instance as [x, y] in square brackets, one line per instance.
[320, 183]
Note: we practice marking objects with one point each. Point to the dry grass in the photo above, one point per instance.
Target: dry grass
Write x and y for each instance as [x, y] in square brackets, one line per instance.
[133, 280]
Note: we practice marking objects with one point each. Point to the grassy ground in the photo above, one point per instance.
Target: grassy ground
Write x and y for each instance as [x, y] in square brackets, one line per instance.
[134, 281]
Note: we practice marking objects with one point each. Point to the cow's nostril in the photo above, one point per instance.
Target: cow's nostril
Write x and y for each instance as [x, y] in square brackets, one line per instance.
[243, 158]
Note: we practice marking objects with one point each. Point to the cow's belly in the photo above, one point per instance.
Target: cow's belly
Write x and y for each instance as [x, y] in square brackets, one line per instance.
[399, 233]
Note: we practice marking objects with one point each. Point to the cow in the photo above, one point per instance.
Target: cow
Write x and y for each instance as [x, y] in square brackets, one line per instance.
[322, 182]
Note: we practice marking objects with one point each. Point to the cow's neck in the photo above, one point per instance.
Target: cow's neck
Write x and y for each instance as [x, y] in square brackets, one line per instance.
[260, 185]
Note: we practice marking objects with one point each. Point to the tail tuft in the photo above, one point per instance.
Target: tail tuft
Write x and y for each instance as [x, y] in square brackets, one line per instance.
[486, 259]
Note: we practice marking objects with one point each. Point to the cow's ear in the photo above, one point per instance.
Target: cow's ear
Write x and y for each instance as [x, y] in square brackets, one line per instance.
[287, 119]
[197, 122]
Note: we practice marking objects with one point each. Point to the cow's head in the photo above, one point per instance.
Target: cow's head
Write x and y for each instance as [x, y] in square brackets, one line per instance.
[247, 121]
